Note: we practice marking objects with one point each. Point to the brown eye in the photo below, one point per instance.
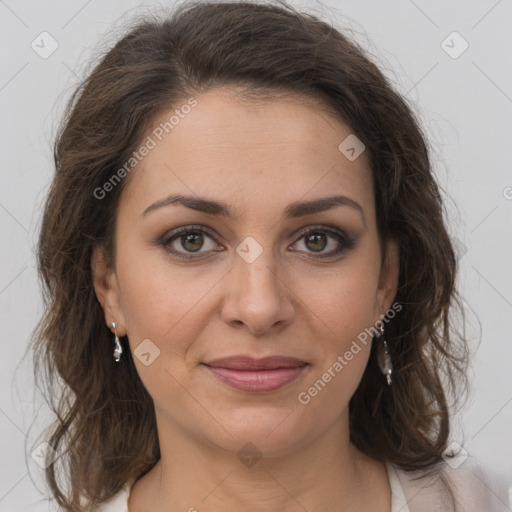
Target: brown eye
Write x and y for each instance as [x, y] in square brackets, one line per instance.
[188, 240]
[192, 242]
[317, 240]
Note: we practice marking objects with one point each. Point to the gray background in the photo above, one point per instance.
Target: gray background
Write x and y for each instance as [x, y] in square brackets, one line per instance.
[464, 103]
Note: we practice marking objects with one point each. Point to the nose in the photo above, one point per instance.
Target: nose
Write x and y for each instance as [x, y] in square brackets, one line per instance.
[258, 295]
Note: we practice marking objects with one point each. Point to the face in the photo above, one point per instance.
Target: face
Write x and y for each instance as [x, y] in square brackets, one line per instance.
[268, 272]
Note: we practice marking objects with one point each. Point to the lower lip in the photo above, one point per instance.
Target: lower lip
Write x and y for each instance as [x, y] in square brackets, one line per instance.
[256, 380]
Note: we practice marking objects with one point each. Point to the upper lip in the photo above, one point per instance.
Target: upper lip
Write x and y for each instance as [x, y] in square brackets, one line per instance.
[252, 363]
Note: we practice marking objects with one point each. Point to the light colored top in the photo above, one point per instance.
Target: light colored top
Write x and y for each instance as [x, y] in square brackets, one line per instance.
[475, 490]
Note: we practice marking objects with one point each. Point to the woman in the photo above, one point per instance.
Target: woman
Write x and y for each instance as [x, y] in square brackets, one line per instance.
[249, 280]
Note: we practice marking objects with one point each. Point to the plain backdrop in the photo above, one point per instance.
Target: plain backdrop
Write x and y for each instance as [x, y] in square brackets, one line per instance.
[462, 96]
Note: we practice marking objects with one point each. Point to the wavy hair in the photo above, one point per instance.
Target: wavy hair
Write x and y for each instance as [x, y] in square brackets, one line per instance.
[105, 429]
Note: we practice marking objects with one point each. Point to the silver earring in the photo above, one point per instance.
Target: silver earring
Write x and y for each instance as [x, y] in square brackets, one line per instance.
[383, 357]
[118, 350]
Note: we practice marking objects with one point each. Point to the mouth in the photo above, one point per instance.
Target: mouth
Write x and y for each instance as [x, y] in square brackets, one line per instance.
[256, 375]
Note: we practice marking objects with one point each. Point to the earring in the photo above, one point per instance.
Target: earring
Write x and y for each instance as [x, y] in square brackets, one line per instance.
[118, 350]
[383, 357]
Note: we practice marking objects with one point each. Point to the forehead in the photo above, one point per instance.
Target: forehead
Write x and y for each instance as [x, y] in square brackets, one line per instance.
[248, 149]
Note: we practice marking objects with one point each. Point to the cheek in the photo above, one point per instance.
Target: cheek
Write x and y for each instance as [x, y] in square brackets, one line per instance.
[345, 309]
[157, 298]
[164, 305]
[344, 302]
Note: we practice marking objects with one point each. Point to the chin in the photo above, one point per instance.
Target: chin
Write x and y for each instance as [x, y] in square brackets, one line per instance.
[273, 431]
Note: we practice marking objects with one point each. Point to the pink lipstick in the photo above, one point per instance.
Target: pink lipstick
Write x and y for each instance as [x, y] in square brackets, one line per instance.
[256, 375]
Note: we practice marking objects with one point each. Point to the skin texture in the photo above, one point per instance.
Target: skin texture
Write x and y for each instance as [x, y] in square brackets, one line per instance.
[258, 157]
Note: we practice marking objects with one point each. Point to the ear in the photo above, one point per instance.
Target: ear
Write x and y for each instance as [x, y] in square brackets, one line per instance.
[107, 290]
[388, 279]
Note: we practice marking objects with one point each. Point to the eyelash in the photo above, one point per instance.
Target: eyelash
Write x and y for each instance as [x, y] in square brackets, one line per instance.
[343, 239]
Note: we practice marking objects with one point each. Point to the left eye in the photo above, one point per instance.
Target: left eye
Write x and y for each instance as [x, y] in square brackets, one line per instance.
[317, 240]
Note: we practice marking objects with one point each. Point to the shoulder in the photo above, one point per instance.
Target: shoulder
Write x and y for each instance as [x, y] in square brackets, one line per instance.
[119, 502]
[466, 486]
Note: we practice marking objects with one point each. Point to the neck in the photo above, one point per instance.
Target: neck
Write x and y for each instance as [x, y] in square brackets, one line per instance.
[328, 473]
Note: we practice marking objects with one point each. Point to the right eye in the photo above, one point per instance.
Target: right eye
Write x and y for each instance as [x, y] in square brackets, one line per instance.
[186, 241]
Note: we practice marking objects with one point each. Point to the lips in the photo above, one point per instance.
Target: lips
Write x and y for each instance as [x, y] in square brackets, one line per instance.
[250, 363]
[256, 375]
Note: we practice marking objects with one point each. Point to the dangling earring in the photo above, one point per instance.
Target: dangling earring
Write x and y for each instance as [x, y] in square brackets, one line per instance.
[118, 350]
[383, 357]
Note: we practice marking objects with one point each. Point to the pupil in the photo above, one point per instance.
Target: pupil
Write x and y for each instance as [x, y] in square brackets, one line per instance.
[192, 238]
[315, 238]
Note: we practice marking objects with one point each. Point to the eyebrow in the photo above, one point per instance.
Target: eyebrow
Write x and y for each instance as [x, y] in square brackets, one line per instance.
[293, 210]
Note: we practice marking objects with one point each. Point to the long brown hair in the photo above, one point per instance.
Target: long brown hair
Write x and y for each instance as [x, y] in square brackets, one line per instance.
[105, 430]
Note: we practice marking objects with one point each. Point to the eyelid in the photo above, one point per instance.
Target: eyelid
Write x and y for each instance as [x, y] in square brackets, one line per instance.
[342, 237]
[193, 228]
[346, 241]
[321, 227]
